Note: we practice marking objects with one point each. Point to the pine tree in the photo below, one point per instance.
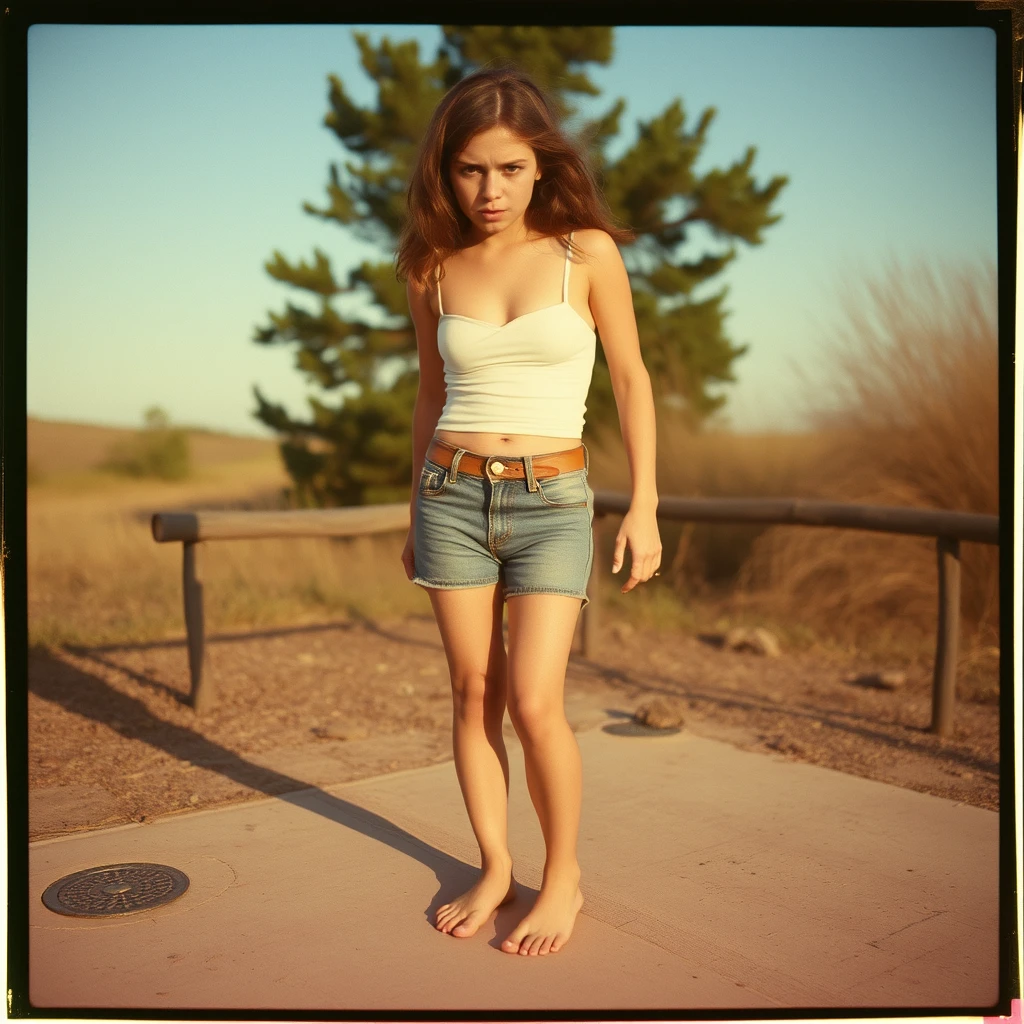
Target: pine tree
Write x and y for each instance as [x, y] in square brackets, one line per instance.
[359, 451]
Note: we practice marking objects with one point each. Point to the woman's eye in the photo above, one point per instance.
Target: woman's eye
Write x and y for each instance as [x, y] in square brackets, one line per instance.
[466, 171]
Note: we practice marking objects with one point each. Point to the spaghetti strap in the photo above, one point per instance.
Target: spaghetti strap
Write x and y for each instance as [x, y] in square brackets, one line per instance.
[437, 279]
[565, 276]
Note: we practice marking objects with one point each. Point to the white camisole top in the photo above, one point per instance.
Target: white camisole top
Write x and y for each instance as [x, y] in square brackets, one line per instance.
[529, 376]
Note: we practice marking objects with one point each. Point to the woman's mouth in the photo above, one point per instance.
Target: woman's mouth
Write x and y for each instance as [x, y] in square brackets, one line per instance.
[491, 214]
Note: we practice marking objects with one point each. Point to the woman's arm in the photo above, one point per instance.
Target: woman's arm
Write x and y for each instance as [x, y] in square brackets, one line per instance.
[431, 392]
[611, 302]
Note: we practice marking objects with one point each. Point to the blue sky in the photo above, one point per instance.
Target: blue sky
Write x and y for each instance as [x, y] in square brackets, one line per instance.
[167, 163]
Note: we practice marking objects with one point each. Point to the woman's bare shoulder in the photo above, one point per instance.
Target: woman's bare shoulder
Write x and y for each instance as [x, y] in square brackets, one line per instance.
[420, 295]
[597, 243]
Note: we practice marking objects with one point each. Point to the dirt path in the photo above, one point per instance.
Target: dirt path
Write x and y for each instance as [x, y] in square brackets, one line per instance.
[111, 739]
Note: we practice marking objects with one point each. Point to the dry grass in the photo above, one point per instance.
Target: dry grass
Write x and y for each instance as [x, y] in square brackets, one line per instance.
[697, 557]
[700, 561]
[96, 575]
[907, 415]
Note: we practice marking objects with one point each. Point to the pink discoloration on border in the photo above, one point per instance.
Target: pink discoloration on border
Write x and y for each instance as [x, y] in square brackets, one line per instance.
[1015, 1014]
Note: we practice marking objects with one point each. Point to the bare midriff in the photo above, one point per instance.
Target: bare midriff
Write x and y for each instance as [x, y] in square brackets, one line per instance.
[507, 444]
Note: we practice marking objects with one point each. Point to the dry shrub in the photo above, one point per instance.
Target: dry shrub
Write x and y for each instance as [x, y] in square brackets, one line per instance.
[907, 413]
[156, 451]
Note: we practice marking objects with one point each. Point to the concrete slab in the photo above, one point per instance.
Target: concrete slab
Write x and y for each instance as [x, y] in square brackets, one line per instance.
[713, 879]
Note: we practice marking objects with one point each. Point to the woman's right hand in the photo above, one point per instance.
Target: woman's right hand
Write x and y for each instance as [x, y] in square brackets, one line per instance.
[407, 555]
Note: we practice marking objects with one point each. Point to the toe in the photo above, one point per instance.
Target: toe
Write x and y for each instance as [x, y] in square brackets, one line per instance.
[470, 924]
[536, 944]
[545, 946]
[514, 943]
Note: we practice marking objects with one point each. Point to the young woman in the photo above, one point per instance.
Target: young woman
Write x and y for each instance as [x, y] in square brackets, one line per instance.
[511, 266]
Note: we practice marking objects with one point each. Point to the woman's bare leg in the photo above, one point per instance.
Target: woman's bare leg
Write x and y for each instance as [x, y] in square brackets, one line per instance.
[540, 630]
[470, 625]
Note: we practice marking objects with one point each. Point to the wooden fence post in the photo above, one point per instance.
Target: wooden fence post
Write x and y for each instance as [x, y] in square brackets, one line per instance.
[193, 590]
[947, 641]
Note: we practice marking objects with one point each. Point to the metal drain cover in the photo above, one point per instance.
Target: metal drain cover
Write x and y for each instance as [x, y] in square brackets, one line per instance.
[634, 728]
[115, 889]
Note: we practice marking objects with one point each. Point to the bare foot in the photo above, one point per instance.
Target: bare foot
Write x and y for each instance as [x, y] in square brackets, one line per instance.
[548, 925]
[463, 916]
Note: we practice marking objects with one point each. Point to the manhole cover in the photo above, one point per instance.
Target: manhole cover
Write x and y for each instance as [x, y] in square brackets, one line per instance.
[634, 728]
[115, 889]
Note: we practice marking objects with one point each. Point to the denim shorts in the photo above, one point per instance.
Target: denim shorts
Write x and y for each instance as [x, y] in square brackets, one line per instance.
[474, 531]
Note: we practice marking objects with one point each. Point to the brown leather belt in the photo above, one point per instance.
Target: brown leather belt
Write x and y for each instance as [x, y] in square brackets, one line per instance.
[507, 467]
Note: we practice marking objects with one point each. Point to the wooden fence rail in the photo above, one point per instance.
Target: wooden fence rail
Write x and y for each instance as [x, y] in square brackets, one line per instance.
[948, 529]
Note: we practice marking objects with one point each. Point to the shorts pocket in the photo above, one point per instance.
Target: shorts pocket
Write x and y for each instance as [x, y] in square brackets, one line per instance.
[567, 490]
[433, 479]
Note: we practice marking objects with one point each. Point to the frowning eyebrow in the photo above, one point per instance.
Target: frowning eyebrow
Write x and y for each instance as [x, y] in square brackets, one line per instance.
[505, 163]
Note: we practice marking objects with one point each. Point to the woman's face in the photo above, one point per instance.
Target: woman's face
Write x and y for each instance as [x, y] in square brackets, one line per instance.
[493, 179]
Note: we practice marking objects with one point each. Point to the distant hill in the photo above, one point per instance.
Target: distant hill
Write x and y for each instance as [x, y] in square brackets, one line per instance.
[62, 446]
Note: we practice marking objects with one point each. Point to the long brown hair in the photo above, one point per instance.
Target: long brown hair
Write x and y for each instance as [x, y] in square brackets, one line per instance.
[565, 198]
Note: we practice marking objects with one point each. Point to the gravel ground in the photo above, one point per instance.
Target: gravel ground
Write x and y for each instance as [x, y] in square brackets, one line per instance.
[113, 740]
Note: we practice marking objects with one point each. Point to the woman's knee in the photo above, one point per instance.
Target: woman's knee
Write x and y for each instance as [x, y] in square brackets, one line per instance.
[477, 693]
[536, 715]
[540, 639]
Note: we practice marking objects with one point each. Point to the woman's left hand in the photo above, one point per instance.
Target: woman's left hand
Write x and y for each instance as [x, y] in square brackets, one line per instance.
[640, 530]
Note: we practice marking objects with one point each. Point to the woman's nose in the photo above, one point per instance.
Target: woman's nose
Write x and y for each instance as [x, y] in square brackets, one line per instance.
[491, 185]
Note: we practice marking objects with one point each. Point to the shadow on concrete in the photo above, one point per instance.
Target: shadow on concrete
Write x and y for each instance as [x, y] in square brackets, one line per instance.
[90, 697]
